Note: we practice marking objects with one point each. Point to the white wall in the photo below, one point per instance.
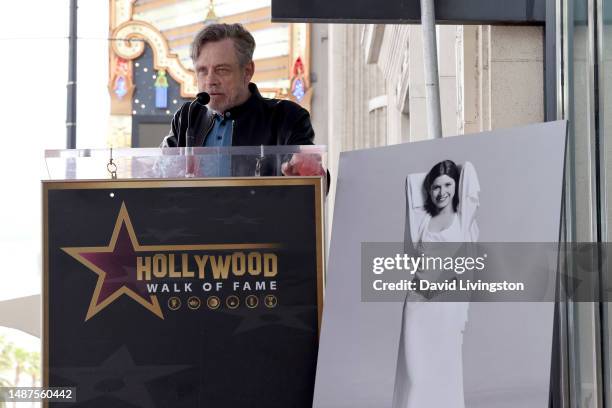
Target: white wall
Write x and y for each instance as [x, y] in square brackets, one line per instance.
[93, 101]
[33, 75]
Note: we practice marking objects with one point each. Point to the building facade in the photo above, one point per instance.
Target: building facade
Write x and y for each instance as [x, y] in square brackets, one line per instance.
[150, 69]
[493, 77]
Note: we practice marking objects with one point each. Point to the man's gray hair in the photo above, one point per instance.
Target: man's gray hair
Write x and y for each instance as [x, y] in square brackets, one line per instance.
[244, 43]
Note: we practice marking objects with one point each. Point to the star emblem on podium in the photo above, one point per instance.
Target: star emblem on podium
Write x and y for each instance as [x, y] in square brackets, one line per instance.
[115, 265]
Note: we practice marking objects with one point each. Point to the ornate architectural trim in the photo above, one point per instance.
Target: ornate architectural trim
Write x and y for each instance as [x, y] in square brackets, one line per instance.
[123, 26]
[121, 11]
[162, 57]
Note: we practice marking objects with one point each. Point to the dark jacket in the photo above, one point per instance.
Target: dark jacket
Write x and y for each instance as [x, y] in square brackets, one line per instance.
[258, 121]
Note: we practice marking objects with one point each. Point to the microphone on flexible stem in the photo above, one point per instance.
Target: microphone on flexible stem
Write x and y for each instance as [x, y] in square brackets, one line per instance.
[201, 99]
[199, 102]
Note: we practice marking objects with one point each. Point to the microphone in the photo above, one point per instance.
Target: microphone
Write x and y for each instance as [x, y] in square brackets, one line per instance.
[201, 99]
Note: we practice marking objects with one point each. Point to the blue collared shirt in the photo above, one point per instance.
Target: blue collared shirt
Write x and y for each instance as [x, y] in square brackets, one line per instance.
[221, 133]
[219, 136]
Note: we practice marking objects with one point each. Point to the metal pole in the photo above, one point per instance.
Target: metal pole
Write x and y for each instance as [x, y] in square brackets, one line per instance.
[72, 77]
[430, 59]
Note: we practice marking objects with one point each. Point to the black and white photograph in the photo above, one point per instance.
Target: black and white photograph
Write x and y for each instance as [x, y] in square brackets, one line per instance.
[502, 186]
[441, 206]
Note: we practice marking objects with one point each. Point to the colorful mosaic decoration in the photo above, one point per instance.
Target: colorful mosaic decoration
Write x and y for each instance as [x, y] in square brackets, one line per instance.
[161, 90]
[121, 78]
[298, 81]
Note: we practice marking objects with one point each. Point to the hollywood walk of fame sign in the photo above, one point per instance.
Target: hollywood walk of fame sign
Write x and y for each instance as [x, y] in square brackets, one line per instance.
[183, 292]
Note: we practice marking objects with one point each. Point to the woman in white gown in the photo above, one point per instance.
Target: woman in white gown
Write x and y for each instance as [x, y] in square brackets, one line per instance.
[440, 208]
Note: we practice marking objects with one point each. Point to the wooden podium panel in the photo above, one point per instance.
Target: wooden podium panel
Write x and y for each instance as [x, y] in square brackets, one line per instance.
[183, 293]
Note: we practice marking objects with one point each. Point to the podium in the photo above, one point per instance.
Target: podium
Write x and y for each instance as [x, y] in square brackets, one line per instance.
[182, 277]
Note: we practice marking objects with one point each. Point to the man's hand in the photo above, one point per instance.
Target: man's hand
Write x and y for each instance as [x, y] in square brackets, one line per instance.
[303, 164]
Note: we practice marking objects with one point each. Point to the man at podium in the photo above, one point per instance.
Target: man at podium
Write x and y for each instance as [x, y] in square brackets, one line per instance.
[229, 110]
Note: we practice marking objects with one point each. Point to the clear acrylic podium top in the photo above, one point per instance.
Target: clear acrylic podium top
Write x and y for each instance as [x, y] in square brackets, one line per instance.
[180, 162]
